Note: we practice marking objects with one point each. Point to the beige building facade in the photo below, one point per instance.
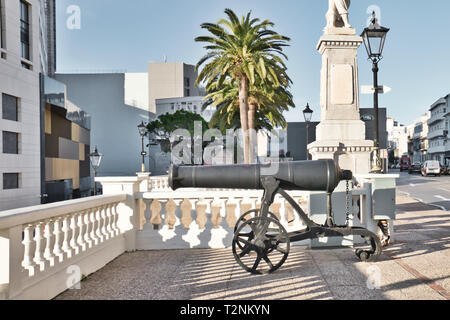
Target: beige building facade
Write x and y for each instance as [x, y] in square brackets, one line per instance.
[20, 65]
[170, 80]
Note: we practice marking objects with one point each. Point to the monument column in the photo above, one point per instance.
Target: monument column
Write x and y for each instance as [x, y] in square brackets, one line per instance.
[341, 133]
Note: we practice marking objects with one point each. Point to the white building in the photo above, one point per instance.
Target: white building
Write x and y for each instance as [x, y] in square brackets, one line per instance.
[438, 130]
[26, 51]
[192, 104]
[397, 137]
[419, 140]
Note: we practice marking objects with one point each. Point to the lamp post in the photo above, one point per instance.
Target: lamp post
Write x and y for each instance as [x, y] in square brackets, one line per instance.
[143, 132]
[374, 37]
[307, 113]
[96, 159]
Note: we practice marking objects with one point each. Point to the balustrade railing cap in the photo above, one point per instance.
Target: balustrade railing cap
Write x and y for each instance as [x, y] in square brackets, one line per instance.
[118, 179]
[377, 176]
[27, 215]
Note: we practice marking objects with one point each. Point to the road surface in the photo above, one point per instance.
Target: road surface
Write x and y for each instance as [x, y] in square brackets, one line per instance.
[430, 190]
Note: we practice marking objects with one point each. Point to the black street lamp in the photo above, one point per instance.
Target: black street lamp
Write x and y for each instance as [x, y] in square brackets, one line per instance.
[307, 113]
[96, 159]
[374, 37]
[143, 132]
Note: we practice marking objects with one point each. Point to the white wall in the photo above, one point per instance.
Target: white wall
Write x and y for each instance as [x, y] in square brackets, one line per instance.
[136, 90]
[113, 123]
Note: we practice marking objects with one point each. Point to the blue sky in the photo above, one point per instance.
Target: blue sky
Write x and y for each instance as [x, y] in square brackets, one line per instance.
[126, 35]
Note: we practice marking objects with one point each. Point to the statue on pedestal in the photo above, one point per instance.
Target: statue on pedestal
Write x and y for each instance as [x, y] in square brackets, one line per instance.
[337, 15]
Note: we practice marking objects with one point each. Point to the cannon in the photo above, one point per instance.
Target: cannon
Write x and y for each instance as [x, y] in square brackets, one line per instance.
[260, 243]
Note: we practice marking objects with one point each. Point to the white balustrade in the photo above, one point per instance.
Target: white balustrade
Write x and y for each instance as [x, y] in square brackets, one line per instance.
[176, 219]
[38, 244]
[55, 236]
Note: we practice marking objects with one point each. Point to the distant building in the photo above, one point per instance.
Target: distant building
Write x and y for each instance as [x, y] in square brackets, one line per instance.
[438, 134]
[397, 138]
[296, 133]
[296, 139]
[192, 104]
[170, 80]
[66, 145]
[114, 123]
[418, 150]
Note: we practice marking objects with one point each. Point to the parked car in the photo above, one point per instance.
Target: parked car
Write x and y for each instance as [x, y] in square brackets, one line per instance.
[415, 167]
[431, 167]
[405, 163]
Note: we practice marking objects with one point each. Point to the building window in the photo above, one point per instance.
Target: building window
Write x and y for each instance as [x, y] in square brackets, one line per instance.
[10, 181]
[187, 82]
[187, 92]
[25, 29]
[10, 142]
[10, 109]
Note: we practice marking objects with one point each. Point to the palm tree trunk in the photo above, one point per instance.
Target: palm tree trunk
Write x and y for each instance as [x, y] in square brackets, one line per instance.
[243, 107]
[252, 131]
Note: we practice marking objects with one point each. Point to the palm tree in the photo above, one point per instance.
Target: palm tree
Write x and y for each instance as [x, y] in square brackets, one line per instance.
[247, 48]
[266, 106]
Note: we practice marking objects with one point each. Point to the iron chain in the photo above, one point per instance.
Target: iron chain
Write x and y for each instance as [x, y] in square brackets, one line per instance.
[347, 206]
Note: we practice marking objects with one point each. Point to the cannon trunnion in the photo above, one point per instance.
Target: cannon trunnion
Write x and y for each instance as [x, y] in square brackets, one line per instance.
[261, 244]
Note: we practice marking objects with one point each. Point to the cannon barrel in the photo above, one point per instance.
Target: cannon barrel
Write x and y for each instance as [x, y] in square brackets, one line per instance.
[321, 175]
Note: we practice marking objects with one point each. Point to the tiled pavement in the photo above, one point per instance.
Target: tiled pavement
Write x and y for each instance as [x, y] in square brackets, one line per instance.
[415, 267]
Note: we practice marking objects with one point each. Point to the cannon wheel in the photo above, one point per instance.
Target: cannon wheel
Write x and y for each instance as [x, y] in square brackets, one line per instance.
[264, 255]
[247, 216]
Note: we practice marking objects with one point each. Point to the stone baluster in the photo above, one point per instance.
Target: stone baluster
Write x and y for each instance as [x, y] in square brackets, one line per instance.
[155, 211]
[186, 218]
[201, 215]
[289, 214]
[216, 218]
[275, 209]
[171, 218]
[105, 221]
[89, 227]
[110, 221]
[49, 242]
[253, 202]
[95, 223]
[81, 231]
[75, 233]
[230, 214]
[147, 212]
[107, 229]
[100, 224]
[59, 237]
[115, 216]
[142, 211]
[67, 232]
[29, 248]
[245, 207]
[39, 240]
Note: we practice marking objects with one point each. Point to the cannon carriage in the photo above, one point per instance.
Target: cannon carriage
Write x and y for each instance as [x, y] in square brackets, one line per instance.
[260, 243]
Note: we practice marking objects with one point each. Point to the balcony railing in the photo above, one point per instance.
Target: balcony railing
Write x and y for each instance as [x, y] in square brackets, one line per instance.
[437, 134]
[36, 243]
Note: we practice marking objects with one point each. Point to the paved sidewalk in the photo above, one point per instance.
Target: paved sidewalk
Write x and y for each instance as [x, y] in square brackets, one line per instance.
[415, 267]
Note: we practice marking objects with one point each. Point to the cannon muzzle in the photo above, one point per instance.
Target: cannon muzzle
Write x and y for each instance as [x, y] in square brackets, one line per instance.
[321, 175]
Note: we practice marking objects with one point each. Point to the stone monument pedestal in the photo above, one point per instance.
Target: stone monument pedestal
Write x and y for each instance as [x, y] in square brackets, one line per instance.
[341, 133]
